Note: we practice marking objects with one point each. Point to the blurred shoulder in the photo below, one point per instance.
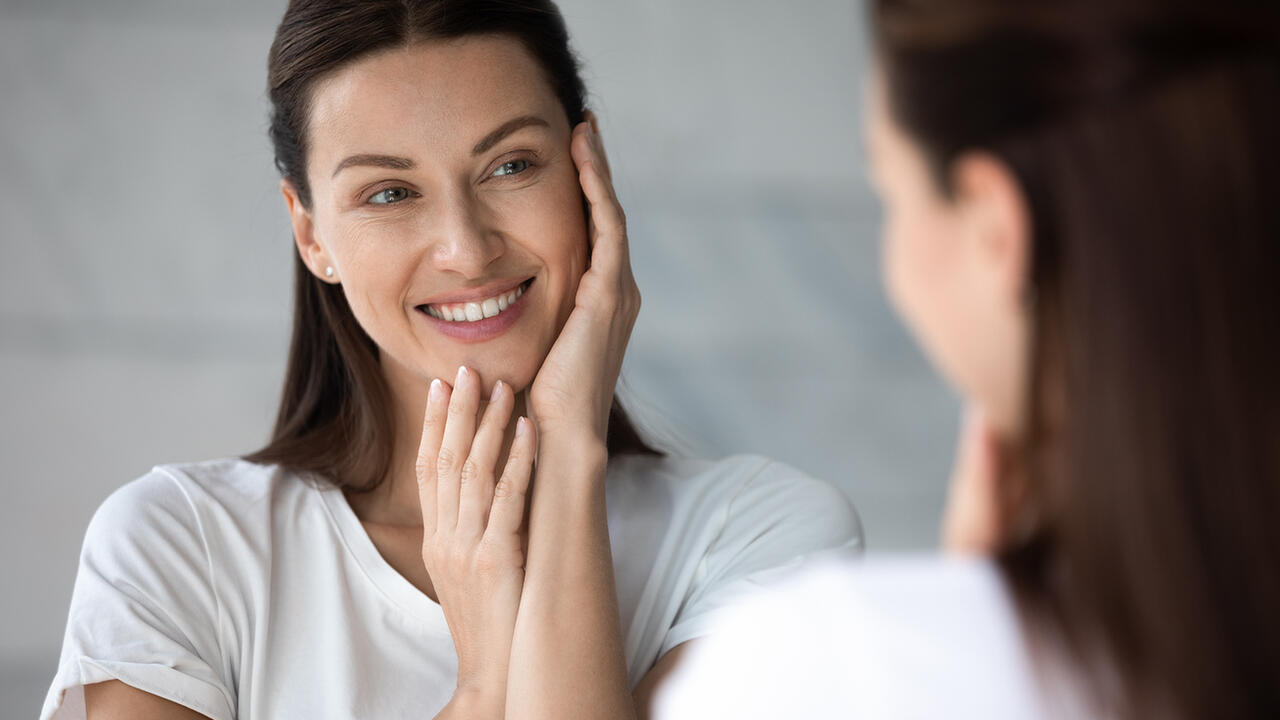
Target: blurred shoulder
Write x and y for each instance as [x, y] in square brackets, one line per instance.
[859, 638]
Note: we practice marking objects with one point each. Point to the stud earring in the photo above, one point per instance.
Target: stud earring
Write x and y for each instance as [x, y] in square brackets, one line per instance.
[328, 271]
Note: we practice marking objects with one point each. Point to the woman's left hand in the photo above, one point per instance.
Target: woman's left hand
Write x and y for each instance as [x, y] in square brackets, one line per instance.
[573, 392]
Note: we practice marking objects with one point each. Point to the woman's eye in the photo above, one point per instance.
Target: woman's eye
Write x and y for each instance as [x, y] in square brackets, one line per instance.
[389, 196]
[515, 167]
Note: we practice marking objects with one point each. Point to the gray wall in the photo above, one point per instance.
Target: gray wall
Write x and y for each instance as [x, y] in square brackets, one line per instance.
[145, 273]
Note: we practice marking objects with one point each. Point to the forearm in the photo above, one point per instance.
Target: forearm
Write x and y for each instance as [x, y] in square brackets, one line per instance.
[566, 655]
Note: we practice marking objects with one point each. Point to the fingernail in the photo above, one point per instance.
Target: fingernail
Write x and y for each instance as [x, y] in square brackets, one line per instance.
[522, 426]
[437, 391]
[497, 387]
[462, 372]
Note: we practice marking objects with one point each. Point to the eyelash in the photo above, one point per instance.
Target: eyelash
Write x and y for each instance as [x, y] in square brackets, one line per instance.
[529, 164]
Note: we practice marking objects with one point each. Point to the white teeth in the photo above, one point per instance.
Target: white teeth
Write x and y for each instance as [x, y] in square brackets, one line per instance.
[473, 311]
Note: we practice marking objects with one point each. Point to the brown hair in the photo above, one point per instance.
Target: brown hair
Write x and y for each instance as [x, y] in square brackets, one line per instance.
[1146, 137]
[335, 417]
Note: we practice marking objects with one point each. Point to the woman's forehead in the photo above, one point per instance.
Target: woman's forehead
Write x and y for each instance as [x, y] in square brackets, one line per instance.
[438, 93]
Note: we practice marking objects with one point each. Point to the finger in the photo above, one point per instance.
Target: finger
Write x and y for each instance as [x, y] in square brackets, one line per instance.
[459, 429]
[507, 513]
[432, 433]
[476, 491]
[597, 143]
[609, 244]
[585, 149]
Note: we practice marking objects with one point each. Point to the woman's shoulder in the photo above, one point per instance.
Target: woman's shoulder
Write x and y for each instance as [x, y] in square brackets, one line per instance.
[863, 638]
[730, 475]
[184, 504]
[224, 483]
[752, 491]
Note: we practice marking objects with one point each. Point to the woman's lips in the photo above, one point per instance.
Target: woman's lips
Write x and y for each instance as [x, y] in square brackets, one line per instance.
[481, 319]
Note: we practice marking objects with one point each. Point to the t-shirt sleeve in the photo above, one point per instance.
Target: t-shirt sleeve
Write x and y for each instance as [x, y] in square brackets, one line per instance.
[777, 519]
[143, 610]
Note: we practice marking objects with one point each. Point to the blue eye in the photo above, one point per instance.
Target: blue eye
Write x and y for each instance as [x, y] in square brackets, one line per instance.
[389, 196]
[515, 167]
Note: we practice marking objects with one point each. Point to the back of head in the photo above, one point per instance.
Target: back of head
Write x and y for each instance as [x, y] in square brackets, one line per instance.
[1146, 137]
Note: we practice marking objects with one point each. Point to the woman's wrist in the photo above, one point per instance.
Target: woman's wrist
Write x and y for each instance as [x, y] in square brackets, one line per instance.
[470, 701]
[573, 455]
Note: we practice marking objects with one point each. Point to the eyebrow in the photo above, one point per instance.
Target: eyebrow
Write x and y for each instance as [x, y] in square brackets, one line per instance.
[374, 160]
[506, 129]
[401, 163]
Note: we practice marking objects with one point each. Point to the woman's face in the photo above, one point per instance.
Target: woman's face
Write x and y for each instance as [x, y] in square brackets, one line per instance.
[446, 202]
[955, 267]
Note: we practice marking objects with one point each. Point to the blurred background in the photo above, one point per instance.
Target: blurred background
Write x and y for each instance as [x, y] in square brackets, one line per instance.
[145, 275]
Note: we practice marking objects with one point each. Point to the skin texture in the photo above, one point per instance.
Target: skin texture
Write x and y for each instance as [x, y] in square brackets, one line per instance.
[956, 269]
[529, 597]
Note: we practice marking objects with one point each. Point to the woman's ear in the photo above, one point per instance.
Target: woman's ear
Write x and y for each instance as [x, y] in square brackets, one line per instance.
[310, 249]
[996, 218]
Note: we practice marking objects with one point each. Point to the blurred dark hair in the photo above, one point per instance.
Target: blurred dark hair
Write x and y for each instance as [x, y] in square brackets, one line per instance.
[335, 414]
[1146, 138]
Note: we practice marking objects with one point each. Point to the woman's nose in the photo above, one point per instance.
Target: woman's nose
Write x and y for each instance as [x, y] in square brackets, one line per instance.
[466, 241]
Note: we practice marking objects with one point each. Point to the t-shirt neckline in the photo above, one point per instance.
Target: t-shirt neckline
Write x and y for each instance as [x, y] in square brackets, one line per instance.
[385, 578]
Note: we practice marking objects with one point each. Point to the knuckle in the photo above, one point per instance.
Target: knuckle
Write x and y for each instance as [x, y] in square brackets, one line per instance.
[505, 489]
[470, 472]
[499, 554]
[446, 461]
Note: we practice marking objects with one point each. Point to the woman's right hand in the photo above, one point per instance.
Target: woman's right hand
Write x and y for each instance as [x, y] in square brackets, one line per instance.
[471, 542]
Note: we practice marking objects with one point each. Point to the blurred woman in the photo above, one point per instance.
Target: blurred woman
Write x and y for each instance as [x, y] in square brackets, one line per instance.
[461, 261]
[1083, 230]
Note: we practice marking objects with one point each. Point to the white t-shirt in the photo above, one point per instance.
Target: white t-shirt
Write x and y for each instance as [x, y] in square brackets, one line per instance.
[247, 591]
[888, 639]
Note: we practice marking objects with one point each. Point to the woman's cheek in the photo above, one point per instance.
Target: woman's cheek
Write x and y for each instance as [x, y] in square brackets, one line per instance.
[895, 269]
[915, 273]
[377, 270]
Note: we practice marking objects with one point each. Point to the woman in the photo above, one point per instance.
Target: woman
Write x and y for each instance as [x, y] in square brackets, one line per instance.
[1082, 229]
[376, 559]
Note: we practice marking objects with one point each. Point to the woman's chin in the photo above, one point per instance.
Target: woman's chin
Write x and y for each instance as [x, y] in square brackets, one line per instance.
[517, 378]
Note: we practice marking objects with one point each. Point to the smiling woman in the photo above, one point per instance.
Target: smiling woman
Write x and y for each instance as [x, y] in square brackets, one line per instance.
[461, 261]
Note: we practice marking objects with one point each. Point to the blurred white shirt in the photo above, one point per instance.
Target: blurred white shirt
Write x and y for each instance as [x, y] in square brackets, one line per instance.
[914, 637]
